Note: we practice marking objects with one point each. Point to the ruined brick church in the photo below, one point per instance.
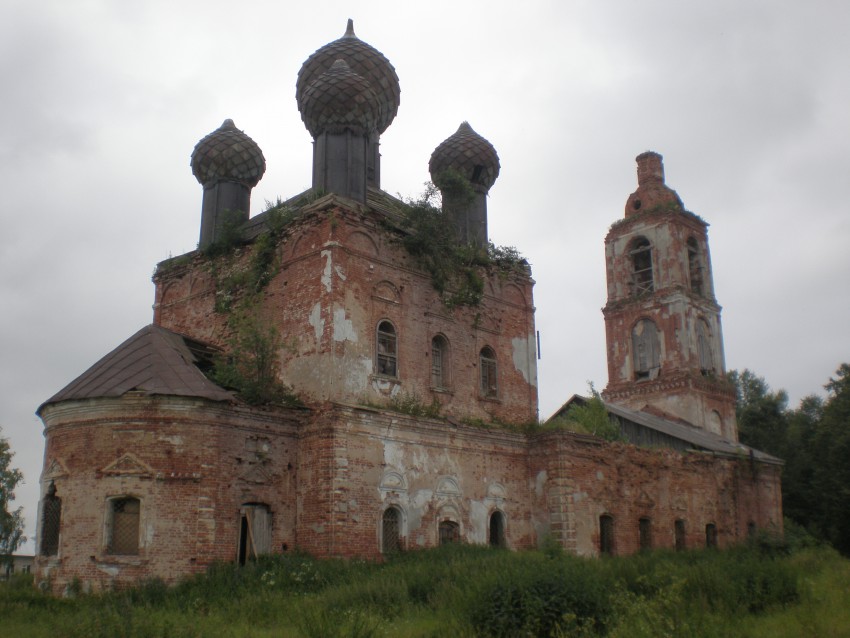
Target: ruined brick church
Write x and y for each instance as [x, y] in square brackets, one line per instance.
[400, 437]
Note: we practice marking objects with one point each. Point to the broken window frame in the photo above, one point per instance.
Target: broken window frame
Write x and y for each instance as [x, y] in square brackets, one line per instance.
[440, 368]
[391, 534]
[51, 518]
[124, 517]
[255, 531]
[642, 277]
[695, 278]
[488, 373]
[386, 350]
[646, 349]
[705, 353]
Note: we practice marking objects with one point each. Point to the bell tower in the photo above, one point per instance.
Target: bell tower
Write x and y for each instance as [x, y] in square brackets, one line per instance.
[662, 321]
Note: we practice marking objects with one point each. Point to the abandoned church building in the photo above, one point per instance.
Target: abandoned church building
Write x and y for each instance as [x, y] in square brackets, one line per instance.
[314, 379]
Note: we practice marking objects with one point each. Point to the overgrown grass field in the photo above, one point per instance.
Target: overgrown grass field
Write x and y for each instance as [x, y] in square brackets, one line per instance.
[758, 591]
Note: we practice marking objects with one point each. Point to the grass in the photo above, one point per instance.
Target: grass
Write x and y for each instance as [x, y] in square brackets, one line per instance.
[467, 591]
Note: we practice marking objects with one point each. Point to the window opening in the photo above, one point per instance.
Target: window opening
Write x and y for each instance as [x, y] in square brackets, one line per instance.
[645, 533]
[706, 360]
[124, 526]
[751, 530]
[255, 531]
[391, 531]
[449, 532]
[488, 370]
[679, 534]
[641, 255]
[606, 535]
[694, 266]
[497, 529]
[439, 362]
[50, 519]
[711, 535]
[387, 354]
[646, 349]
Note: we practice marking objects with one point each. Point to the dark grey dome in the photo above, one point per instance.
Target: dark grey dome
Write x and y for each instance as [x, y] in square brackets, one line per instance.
[362, 59]
[227, 154]
[340, 99]
[469, 154]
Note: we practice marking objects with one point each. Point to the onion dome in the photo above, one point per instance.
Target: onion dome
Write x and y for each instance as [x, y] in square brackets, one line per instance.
[362, 59]
[469, 154]
[227, 154]
[340, 99]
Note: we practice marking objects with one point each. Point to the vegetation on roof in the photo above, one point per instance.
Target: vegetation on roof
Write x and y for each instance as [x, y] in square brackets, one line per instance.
[457, 269]
[588, 417]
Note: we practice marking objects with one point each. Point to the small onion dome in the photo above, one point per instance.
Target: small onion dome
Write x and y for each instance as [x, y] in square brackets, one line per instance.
[227, 154]
[340, 99]
[469, 154]
[365, 61]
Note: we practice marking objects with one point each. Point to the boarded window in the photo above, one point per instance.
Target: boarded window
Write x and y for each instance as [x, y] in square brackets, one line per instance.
[711, 535]
[123, 536]
[606, 534]
[391, 531]
[449, 532]
[641, 257]
[439, 362]
[255, 531]
[645, 533]
[646, 349]
[706, 358]
[51, 514]
[386, 358]
[695, 266]
[679, 534]
[497, 529]
[488, 371]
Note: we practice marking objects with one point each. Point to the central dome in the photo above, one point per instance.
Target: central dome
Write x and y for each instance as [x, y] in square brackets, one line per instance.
[362, 59]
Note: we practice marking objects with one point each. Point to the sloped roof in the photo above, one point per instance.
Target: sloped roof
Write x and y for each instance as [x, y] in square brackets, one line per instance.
[153, 361]
[697, 438]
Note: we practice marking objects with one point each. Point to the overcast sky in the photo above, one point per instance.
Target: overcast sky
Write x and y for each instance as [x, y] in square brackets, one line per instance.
[748, 102]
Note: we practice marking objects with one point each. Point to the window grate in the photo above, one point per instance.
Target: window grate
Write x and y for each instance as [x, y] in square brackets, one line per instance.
[391, 532]
[51, 516]
[449, 532]
[124, 531]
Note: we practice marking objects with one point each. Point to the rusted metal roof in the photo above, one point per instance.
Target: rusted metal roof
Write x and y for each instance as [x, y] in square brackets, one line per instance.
[679, 435]
[153, 361]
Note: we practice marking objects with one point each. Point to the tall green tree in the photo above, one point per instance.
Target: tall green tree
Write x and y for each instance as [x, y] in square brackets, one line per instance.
[11, 523]
[761, 413]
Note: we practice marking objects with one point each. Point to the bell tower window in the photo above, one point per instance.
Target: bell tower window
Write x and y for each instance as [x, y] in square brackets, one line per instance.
[487, 366]
[641, 257]
[645, 350]
[386, 356]
[694, 266]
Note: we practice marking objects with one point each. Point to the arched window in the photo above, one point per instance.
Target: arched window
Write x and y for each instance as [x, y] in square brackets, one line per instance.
[51, 514]
[679, 534]
[706, 359]
[255, 531]
[386, 355]
[449, 532]
[711, 535]
[439, 362]
[694, 266]
[497, 529]
[645, 349]
[606, 534]
[123, 526]
[488, 371]
[641, 257]
[645, 533]
[391, 531]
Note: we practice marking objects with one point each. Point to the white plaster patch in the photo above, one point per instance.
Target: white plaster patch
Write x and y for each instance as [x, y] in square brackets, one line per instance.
[175, 440]
[394, 455]
[540, 481]
[110, 570]
[343, 328]
[525, 357]
[317, 322]
[599, 475]
[478, 522]
[326, 273]
[340, 273]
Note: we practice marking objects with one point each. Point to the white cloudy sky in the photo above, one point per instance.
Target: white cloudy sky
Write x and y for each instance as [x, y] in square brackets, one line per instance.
[103, 101]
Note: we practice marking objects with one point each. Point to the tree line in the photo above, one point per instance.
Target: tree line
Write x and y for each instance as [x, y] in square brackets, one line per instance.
[813, 440]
